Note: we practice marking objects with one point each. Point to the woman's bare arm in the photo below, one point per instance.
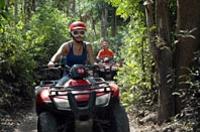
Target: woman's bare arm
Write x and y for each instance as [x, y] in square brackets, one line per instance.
[62, 51]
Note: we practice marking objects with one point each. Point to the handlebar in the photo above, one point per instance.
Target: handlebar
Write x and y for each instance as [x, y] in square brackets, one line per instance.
[64, 67]
[54, 67]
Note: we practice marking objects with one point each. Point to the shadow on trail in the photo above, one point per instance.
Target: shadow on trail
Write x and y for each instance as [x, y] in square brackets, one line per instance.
[28, 124]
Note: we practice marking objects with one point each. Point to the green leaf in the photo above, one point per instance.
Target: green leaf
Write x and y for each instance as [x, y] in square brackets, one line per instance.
[2, 4]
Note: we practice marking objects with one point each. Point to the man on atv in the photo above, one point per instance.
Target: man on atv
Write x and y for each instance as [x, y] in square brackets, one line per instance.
[105, 51]
[75, 51]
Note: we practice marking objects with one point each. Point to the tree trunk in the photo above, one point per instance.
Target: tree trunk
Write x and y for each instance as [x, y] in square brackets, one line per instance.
[104, 22]
[74, 7]
[162, 54]
[71, 7]
[16, 11]
[33, 7]
[94, 27]
[149, 12]
[27, 10]
[114, 24]
[166, 102]
[188, 30]
[7, 2]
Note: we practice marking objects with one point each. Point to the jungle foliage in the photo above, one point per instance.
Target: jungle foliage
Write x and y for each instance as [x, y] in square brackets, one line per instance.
[31, 31]
[30, 37]
[24, 47]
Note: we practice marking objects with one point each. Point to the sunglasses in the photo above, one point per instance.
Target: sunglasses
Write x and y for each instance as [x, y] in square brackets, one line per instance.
[77, 33]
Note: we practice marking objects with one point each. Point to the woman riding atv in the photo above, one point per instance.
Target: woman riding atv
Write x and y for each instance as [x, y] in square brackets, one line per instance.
[73, 104]
[75, 51]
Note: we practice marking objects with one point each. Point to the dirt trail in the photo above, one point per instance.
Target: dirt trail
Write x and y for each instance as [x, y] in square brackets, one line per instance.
[29, 123]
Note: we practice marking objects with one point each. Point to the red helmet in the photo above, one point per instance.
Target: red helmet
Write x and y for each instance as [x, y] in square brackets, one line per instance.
[77, 25]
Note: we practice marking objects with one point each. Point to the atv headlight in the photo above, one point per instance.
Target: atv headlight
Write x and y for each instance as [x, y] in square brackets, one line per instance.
[114, 68]
[107, 67]
[61, 104]
[103, 99]
[102, 69]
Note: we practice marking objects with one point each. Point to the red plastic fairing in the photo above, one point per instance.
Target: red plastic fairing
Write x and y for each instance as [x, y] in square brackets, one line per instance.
[115, 89]
[43, 96]
[72, 82]
[81, 98]
[85, 97]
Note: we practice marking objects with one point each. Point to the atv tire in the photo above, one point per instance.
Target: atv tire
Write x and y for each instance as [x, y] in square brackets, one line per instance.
[46, 122]
[120, 122]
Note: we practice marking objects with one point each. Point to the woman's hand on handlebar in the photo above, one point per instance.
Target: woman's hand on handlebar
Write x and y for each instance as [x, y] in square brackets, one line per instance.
[51, 64]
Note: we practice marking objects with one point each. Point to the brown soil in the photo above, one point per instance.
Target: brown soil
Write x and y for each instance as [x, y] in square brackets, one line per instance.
[24, 120]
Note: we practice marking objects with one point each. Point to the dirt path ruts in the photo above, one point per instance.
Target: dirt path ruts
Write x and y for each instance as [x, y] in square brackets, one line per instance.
[29, 124]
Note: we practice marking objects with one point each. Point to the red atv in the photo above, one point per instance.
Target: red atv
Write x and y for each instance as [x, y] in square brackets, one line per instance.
[107, 68]
[82, 104]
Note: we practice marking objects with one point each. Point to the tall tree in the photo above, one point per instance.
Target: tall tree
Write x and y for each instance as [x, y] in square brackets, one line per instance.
[150, 21]
[27, 10]
[104, 22]
[71, 7]
[161, 49]
[188, 40]
[33, 7]
[114, 23]
[166, 107]
[16, 10]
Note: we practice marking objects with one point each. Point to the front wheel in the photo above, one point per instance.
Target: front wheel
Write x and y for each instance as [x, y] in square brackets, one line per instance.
[46, 122]
[120, 121]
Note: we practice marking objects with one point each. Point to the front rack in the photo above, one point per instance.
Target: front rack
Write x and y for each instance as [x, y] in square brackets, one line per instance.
[83, 89]
[90, 90]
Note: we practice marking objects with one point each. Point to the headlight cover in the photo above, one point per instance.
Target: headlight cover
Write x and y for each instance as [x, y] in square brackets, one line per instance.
[103, 100]
[114, 68]
[61, 104]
